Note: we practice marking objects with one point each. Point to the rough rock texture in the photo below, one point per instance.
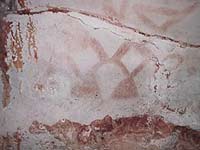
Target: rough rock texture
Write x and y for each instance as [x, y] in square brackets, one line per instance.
[133, 63]
[141, 132]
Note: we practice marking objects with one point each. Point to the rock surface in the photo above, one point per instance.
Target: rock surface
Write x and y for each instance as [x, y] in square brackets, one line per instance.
[125, 74]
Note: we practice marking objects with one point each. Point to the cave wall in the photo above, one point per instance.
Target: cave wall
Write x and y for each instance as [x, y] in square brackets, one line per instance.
[88, 74]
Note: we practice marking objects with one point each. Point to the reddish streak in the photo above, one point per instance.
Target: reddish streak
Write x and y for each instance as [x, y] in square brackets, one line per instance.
[106, 130]
[4, 29]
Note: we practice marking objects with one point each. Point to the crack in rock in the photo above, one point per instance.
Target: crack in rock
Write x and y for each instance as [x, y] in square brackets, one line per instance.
[111, 21]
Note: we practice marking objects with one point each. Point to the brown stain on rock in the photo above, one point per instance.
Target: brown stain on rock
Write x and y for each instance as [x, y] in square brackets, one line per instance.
[26, 11]
[32, 48]
[4, 29]
[110, 11]
[84, 90]
[21, 3]
[39, 87]
[174, 15]
[107, 132]
[98, 48]
[87, 85]
[57, 10]
[125, 89]
[16, 48]
[188, 138]
[8, 142]
[112, 21]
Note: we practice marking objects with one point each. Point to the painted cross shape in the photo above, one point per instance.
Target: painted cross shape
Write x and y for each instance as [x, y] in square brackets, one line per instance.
[173, 16]
[126, 88]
